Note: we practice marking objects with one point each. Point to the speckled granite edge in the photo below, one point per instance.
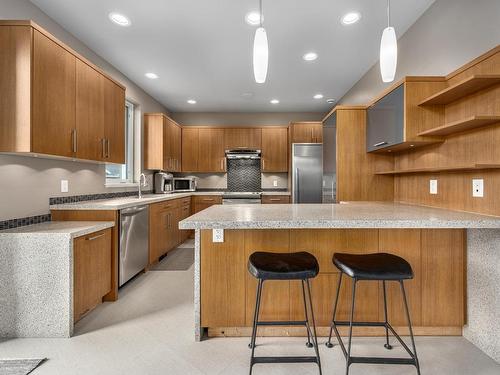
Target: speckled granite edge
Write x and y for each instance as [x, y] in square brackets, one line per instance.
[72, 229]
[197, 286]
[483, 291]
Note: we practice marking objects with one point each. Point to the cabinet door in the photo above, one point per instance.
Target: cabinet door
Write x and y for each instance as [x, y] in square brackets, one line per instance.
[176, 147]
[317, 132]
[91, 143]
[114, 121]
[307, 132]
[167, 145]
[243, 138]
[92, 271]
[211, 150]
[190, 146]
[153, 142]
[385, 121]
[158, 235]
[53, 98]
[275, 150]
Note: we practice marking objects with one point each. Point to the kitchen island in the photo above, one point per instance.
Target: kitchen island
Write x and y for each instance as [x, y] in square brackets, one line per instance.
[454, 255]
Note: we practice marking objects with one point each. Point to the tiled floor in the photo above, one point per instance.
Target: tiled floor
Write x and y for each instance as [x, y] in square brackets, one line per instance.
[150, 331]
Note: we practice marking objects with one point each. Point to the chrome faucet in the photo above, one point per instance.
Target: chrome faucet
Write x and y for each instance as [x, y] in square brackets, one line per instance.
[142, 183]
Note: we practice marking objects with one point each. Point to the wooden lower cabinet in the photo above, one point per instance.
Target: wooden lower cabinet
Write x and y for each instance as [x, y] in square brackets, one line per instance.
[200, 202]
[435, 294]
[275, 199]
[92, 271]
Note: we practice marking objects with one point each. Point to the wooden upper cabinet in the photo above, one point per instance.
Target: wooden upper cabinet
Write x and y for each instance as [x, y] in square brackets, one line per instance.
[250, 138]
[90, 139]
[175, 145]
[274, 149]
[53, 96]
[54, 101]
[307, 132]
[211, 150]
[114, 121]
[162, 143]
[190, 145]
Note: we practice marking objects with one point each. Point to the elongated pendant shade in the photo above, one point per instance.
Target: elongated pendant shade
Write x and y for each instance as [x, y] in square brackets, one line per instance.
[260, 55]
[388, 54]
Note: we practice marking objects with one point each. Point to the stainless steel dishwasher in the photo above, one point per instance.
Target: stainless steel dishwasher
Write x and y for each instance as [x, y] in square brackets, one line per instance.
[134, 242]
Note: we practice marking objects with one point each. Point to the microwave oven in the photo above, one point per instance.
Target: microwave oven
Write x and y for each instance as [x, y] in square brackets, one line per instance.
[182, 184]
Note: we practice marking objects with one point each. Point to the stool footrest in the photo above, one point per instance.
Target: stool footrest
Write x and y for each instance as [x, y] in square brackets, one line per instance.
[383, 361]
[286, 359]
[283, 323]
[360, 324]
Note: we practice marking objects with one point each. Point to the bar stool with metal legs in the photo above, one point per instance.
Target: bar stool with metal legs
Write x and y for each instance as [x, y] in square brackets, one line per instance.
[285, 266]
[375, 267]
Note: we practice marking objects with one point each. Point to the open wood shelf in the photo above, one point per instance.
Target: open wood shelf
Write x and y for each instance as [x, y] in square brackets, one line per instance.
[472, 122]
[459, 90]
[474, 167]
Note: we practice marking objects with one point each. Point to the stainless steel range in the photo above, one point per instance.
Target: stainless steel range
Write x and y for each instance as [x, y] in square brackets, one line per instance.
[241, 198]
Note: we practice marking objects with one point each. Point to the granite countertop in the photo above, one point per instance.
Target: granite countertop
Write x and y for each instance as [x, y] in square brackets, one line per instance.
[72, 229]
[346, 215]
[125, 202]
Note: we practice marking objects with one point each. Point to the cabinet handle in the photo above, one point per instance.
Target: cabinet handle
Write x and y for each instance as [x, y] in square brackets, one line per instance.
[103, 144]
[208, 199]
[263, 164]
[74, 140]
[108, 148]
[95, 237]
[312, 135]
[380, 144]
[274, 199]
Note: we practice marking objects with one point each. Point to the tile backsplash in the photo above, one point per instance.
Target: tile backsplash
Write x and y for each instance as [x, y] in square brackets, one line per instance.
[219, 180]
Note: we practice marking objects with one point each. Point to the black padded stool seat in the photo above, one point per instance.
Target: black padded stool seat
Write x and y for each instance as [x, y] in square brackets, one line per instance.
[283, 266]
[377, 266]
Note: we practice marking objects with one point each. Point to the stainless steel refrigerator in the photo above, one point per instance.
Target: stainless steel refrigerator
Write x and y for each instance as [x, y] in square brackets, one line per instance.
[307, 172]
[330, 159]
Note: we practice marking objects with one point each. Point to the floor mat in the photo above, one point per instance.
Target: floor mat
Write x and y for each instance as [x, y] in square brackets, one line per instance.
[179, 259]
[19, 366]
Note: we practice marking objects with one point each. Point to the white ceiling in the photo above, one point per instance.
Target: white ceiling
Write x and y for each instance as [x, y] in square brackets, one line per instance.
[202, 49]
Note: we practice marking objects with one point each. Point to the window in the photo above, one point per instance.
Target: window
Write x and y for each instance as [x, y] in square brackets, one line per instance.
[124, 173]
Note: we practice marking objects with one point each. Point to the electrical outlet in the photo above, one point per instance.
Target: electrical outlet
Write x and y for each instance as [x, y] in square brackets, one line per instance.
[433, 186]
[478, 188]
[64, 186]
[275, 183]
[217, 235]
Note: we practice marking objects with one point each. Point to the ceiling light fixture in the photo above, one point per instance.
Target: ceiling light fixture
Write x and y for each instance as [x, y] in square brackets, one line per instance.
[350, 18]
[330, 101]
[151, 75]
[388, 50]
[253, 18]
[318, 96]
[191, 101]
[119, 19]
[310, 56]
[260, 51]
[275, 101]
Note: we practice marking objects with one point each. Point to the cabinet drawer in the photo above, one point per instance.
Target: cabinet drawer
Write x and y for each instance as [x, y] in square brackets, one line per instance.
[208, 199]
[275, 199]
[184, 201]
[166, 205]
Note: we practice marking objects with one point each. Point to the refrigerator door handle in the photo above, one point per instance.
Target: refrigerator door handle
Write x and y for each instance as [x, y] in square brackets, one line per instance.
[296, 185]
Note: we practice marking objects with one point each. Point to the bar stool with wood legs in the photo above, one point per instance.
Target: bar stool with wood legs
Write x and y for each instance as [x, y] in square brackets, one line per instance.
[375, 267]
[285, 266]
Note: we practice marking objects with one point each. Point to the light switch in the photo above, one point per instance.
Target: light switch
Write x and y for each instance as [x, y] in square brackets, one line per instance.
[275, 183]
[64, 186]
[217, 235]
[478, 188]
[433, 186]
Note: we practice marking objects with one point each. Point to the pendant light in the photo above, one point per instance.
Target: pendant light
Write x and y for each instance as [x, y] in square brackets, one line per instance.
[260, 51]
[388, 50]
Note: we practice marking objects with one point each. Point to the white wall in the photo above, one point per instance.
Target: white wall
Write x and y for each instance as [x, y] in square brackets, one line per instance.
[448, 35]
[27, 183]
[243, 118]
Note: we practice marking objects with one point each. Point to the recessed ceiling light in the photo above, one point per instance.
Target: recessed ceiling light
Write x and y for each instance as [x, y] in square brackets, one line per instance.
[119, 19]
[191, 101]
[274, 101]
[350, 18]
[318, 96]
[310, 56]
[253, 18]
[330, 101]
[151, 75]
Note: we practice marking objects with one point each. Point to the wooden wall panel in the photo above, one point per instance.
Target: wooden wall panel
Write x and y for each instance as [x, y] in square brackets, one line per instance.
[275, 304]
[443, 256]
[356, 180]
[223, 280]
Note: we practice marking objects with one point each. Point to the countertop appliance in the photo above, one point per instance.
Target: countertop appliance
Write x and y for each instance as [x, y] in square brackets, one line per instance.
[307, 172]
[134, 242]
[184, 184]
[330, 159]
[241, 198]
[164, 183]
